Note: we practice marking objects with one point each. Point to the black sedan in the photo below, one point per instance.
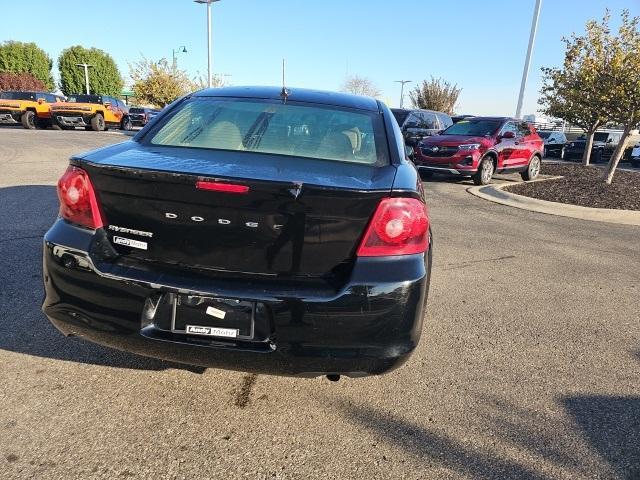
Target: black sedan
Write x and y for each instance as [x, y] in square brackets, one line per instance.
[254, 229]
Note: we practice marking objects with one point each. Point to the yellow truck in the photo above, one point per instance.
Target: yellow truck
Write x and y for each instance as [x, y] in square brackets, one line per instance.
[93, 112]
[31, 109]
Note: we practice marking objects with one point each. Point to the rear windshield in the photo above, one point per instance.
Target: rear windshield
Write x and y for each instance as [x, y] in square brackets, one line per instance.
[303, 130]
[136, 110]
[85, 99]
[473, 128]
[18, 95]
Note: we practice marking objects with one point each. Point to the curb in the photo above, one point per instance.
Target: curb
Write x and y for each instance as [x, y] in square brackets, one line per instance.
[496, 194]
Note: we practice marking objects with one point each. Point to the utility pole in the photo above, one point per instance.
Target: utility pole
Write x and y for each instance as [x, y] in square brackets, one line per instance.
[525, 71]
[208, 3]
[86, 74]
[402, 82]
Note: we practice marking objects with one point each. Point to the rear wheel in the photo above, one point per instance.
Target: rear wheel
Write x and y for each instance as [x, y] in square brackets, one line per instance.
[29, 120]
[97, 123]
[533, 169]
[126, 124]
[596, 156]
[485, 172]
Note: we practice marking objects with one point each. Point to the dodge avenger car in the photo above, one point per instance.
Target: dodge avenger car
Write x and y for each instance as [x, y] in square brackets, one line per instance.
[253, 229]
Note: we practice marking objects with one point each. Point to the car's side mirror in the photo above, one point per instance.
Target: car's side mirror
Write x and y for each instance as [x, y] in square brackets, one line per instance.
[41, 101]
[408, 151]
[609, 140]
[509, 134]
[107, 104]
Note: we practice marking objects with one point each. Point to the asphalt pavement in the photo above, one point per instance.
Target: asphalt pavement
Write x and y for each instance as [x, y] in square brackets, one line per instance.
[528, 368]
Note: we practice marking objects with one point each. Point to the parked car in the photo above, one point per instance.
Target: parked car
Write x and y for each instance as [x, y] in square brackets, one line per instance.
[153, 114]
[418, 124]
[554, 143]
[31, 109]
[247, 229]
[457, 118]
[604, 144]
[481, 146]
[140, 116]
[93, 112]
[635, 156]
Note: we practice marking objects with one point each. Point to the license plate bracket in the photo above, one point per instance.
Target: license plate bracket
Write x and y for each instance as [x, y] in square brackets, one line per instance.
[213, 317]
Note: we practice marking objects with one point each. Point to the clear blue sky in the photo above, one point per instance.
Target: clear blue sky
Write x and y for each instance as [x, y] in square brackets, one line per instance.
[479, 45]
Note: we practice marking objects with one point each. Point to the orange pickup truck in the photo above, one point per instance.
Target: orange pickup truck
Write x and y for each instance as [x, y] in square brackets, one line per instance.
[31, 109]
[93, 112]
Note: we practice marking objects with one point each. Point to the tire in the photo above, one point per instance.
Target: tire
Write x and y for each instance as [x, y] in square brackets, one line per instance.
[29, 120]
[126, 124]
[596, 156]
[485, 172]
[97, 123]
[533, 169]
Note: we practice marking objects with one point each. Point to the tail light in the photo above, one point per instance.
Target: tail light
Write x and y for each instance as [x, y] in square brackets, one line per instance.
[221, 187]
[400, 226]
[78, 202]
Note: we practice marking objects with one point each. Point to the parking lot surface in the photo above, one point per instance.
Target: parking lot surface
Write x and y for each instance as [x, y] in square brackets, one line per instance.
[528, 368]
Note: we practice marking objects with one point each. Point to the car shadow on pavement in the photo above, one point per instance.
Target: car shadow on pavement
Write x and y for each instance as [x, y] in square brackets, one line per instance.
[611, 425]
[434, 446]
[608, 425]
[26, 212]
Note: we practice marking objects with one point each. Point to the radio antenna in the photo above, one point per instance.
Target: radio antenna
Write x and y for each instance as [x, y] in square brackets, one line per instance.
[284, 94]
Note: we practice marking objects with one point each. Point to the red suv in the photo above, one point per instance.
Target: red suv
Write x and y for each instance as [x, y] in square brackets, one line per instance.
[481, 146]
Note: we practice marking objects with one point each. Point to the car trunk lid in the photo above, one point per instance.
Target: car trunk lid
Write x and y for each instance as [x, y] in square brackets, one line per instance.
[298, 216]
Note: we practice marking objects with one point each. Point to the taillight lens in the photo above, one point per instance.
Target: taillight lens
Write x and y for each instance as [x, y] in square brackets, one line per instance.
[400, 226]
[78, 202]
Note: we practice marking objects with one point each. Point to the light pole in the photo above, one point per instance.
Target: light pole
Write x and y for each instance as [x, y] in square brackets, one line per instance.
[402, 82]
[208, 3]
[86, 74]
[181, 49]
[525, 71]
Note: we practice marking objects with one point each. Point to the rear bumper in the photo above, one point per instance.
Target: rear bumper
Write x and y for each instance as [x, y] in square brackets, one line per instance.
[369, 326]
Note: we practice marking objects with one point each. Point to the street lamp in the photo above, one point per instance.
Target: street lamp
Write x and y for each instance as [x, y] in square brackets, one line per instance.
[208, 3]
[181, 49]
[402, 82]
[86, 74]
[527, 61]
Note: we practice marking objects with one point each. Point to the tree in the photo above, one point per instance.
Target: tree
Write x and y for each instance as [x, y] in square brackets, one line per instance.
[199, 82]
[623, 86]
[578, 91]
[104, 76]
[435, 94]
[158, 83]
[19, 57]
[360, 86]
[20, 81]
